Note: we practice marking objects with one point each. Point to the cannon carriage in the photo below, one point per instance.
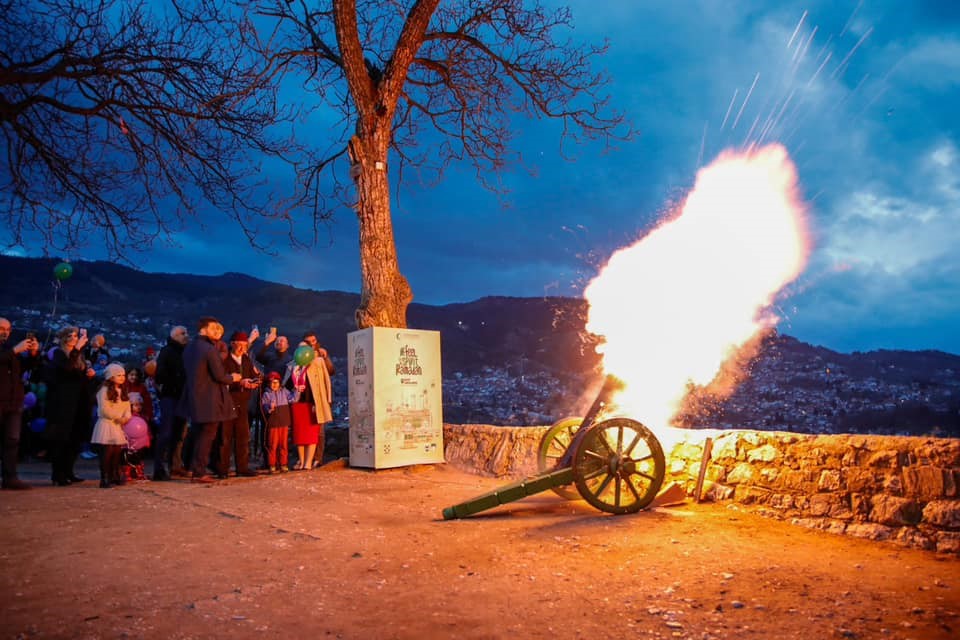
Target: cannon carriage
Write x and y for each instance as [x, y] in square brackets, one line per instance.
[614, 463]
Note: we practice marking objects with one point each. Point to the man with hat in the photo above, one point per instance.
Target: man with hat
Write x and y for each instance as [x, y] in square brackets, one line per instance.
[235, 433]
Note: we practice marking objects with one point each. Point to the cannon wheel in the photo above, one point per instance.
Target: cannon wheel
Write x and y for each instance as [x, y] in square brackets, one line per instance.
[618, 466]
[553, 445]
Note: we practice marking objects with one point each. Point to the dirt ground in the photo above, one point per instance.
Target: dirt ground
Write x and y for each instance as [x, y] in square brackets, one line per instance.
[350, 553]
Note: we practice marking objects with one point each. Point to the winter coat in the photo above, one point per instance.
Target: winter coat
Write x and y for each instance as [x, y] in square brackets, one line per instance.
[11, 383]
[171, 376]
[69, 406]
[320, 390]
[205, 396]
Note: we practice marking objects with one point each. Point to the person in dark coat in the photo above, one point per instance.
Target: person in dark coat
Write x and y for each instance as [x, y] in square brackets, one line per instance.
[170, 378]
[69, 411]
[235, 434]
[205, 400]
[11, 400]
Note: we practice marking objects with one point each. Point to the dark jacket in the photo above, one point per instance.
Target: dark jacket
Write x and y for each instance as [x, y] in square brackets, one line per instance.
[171, 376]
[69, 409]
[11, 384]
[205, 396]
[273, 360]
[240, 396]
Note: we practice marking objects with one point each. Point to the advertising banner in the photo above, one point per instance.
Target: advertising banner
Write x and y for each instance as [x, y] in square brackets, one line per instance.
[395, 395]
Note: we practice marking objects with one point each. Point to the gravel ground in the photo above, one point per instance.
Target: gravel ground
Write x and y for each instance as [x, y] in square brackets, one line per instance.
[351, 553]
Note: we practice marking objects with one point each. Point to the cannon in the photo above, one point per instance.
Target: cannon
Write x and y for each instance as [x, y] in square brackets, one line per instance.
[614, 463]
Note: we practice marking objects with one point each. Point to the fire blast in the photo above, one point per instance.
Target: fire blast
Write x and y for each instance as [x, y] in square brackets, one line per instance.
[685, 297]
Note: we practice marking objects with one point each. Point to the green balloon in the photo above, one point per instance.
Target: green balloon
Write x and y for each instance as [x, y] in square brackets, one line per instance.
[304, 355]
[63, 270]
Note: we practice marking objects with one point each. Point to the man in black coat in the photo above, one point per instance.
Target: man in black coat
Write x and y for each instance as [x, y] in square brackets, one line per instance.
[235, 434]
[171, 377]
[205, 398]
[11, 401]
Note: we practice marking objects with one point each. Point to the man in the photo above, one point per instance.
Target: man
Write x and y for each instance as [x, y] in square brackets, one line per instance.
[235, 434]
[170, 378]
[274, 360]
[205, 398]
[11, 401]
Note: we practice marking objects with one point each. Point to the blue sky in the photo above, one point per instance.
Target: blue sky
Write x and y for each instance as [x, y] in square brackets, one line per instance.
[871, 124]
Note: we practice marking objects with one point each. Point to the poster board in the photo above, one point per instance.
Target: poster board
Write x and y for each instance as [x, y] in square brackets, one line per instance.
[395, 397]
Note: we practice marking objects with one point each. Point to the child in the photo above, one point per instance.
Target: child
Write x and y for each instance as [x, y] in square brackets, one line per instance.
[138, 438]
[113, 411]
[276, 404]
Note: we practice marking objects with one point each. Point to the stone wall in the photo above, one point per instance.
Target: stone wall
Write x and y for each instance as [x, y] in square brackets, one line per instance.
[903, 489]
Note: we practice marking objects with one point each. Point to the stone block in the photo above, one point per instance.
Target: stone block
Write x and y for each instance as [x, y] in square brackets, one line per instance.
[893, 484]
[914, 538]
[725, 446]
[860, 480]
[751, 495]
[860, 506]
[924, 483]
[801, 481]
[894, 510]
[768, 476]
[948, 541]
[829, 480]
[943, 514]
[765, 453]
[741, 473]
[885, 459]
[829, 504]
[870, 531]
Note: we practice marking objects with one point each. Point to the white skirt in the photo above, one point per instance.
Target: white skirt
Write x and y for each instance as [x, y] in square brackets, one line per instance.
[108, 432]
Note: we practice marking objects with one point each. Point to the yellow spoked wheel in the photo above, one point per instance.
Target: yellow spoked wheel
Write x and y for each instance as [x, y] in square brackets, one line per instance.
[618, 466]
[553, 445]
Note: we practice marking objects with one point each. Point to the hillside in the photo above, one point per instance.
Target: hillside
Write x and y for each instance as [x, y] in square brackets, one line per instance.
[505, 360]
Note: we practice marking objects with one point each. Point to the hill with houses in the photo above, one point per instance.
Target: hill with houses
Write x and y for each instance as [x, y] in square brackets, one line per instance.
[505, 360]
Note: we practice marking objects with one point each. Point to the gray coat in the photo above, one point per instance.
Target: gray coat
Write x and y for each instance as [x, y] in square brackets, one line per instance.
[205, 396]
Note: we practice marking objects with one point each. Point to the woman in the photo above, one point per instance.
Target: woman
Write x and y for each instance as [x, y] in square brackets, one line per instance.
[69, 418]
[312, 410]
[113, 411]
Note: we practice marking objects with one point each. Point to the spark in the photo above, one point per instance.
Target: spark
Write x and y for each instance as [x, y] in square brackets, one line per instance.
[729, 109]
[797, 29]
[850, 19]
[703, 143]
[745, 100]
[846, 59]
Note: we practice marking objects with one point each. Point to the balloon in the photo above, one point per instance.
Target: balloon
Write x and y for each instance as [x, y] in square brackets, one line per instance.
[63, 270]
[41, 390]
[30, 400]
[304, 355]
[37, 425]
[150, 368]
[138, 434]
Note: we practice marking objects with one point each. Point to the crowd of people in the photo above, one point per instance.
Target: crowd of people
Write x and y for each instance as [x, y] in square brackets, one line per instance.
[201, 405]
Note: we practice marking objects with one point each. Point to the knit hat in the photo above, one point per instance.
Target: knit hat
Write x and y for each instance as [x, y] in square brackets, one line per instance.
[113, 369]
[136, 397]
[238, 336]
[273, 375]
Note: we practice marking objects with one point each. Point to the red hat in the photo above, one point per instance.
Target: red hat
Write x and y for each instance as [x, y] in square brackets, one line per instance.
[273, 375]
[150, 351]
[238, 336]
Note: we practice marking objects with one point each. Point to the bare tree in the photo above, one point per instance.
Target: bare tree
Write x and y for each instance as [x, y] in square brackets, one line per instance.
[117, 121]
[420, 84]
[123, 119]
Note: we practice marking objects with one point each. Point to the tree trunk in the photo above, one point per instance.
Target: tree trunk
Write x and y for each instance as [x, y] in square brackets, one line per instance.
[384, 293]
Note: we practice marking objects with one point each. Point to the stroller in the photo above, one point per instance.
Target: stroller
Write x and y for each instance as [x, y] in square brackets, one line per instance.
[138, 440]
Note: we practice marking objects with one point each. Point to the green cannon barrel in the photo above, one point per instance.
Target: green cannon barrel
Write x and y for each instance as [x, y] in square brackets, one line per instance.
[509, 493]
